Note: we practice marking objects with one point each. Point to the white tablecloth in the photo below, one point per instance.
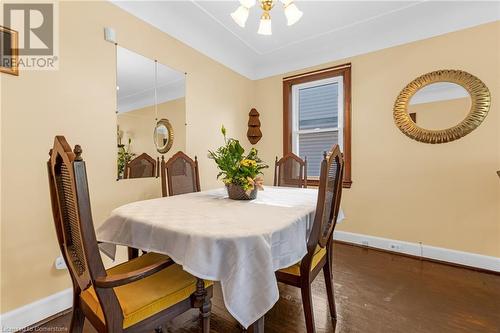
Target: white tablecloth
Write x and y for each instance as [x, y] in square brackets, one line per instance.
[239, 243]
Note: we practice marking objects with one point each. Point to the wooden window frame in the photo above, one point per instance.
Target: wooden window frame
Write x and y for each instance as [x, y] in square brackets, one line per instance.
[288, 82]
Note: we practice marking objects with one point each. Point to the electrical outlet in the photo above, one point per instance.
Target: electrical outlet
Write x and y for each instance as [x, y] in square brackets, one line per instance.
[60, 264]
[395, 246]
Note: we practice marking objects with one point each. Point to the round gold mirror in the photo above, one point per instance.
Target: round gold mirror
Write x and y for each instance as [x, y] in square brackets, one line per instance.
[441, 106]
[163, 136]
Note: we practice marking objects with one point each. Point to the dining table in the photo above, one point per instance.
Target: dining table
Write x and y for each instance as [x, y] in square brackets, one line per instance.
[240, 243]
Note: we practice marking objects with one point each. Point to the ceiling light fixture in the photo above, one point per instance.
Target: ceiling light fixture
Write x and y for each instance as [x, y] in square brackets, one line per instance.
[240, 15]
[292, 13]
[265, 27]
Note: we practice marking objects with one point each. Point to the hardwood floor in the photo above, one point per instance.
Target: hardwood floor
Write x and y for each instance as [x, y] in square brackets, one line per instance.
[375, 292]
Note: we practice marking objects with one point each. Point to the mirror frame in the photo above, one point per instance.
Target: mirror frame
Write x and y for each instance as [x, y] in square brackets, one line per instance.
[166, 123]
[480, 105]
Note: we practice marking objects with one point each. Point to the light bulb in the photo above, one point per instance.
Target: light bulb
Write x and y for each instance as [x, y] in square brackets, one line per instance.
[292, 13]
[240, 16]
[248, 3]
[265, 25]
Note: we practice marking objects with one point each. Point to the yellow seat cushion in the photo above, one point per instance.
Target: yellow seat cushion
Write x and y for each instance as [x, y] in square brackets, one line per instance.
[142, 299]
[319, 253]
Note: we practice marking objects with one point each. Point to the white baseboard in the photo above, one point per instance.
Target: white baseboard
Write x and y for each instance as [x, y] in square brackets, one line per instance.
[421, 250]
[37, 311]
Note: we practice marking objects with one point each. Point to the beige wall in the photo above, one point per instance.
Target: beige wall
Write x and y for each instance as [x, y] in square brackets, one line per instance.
[441, 114]
[444, 195]
[79, 101]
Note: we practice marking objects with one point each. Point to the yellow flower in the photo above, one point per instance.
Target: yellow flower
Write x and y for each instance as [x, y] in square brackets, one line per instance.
[248, 163]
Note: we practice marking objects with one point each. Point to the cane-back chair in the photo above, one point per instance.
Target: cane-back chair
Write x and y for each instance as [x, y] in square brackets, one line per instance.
[320, 243]
[179, 174]
[142, 166]
[136, 296]
[290, 171]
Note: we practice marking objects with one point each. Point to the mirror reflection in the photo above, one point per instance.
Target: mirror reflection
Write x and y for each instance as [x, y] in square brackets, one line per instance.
[439, 105]
[146, 93]
[163, 135]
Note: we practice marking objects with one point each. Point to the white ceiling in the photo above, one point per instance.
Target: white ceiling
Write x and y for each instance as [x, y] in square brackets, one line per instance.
[135, 76]
[328, 31]
[438, 92]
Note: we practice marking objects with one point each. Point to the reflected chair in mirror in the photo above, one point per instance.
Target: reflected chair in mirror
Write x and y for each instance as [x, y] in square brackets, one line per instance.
[136, 296]
[179, 174]
[320, 244]
[142, 166]
[290, 171]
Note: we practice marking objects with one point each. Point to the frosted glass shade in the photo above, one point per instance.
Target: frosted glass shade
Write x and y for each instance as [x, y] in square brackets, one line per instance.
[240, 16]
[292, 13]
[265, 27]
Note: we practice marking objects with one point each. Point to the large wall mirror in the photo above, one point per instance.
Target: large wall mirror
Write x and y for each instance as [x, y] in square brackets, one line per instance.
[151, 113]
[441, 106]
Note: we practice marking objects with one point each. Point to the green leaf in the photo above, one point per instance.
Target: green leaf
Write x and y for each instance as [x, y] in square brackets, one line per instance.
[228, 159]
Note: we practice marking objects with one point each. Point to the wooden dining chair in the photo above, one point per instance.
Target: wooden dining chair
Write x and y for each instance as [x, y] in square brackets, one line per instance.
[290, 171]
[320, 243]
[136, 296]
[141, 166]
[179, 174]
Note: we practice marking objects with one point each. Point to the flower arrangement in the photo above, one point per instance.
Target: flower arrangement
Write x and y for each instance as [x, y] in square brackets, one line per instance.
[238, 170]
[124, 156]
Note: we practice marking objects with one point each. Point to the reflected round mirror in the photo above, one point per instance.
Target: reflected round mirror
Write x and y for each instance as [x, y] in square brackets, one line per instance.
[439, 105]
[163, 136]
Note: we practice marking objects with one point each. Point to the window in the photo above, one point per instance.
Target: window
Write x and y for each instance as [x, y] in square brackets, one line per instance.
[316, 120]
[317, 116]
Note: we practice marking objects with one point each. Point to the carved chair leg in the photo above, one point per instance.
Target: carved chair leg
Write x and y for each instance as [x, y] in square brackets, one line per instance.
[308, 307]
[77, 320]
[205, 312]
[257, 327]
[330, 291]
[203, 302]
